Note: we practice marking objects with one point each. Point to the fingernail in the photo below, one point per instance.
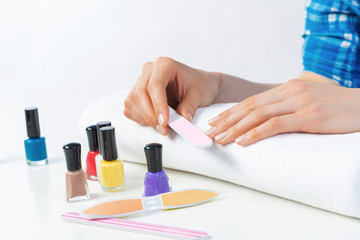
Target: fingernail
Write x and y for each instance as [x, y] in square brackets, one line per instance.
[220, 136]
[240, 139]
[214, 120]
[161, 119]
[190, 117]
[160, 129]
[210, 131]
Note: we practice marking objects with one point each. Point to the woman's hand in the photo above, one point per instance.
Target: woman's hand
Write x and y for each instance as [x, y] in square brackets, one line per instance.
[167, 82]
[294, 106]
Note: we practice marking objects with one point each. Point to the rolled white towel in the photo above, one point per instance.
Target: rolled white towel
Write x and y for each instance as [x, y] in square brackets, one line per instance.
[319, 170]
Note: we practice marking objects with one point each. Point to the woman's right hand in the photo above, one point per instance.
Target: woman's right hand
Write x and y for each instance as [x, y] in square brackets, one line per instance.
[166, 82]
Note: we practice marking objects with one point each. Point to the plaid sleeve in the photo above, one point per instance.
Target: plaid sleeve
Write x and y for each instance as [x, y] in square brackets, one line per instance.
[331, 40]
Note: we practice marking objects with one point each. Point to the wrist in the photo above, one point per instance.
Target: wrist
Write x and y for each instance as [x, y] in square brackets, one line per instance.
[314, 77]
[217, 83]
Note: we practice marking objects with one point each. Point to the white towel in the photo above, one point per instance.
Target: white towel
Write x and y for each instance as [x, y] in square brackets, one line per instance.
[319, 170]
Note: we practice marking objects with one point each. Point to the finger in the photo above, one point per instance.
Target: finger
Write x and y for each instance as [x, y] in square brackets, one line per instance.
[272, 127]
[189, 104]
[243, 108]
[162, 130]
[225, 120]
[133, 118]
[128, 103]
[163, 72]
[145, 106]
[149, 116]
[233, 115]
[138, 105]
[136, 95]
[141, 100]
[130, 108]
[254, 119]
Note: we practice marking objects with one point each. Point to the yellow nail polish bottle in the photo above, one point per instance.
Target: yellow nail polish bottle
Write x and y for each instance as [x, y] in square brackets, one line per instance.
[111, 168]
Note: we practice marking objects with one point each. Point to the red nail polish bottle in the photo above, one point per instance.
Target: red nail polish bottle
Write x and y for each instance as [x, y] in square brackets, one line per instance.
[93, 151]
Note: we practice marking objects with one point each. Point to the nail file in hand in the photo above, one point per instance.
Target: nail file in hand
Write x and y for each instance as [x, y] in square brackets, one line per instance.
[188, 130]
[170, 200]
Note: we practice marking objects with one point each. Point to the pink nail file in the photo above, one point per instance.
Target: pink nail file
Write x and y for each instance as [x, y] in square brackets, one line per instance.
[188, 130]
[138, 227]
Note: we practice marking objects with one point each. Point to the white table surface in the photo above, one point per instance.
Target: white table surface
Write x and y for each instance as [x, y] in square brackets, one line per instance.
[33, 199]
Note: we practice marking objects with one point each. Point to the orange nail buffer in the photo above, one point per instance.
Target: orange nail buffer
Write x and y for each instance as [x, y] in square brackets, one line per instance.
[171, 200]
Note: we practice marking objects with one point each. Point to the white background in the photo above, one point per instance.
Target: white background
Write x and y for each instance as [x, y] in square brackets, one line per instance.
[63, 55]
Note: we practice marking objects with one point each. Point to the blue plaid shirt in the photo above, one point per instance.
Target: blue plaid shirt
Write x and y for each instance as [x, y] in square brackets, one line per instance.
[331, 47]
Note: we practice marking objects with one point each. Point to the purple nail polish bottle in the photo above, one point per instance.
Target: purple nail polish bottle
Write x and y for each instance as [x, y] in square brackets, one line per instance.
[156, 180]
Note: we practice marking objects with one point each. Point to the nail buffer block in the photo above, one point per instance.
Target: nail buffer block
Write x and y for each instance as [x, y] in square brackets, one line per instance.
[188, 130]
[171, 200]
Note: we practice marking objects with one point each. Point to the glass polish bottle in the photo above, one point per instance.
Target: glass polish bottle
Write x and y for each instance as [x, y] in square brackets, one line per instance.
[35, 146]
[111, 168]
[98, 157]
[91, 133]
[76, 185]
[156, 179]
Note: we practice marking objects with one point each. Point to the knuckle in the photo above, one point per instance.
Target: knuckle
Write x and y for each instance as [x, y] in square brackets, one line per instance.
[253, 134]
[223, 122]
[139, 80]
[293, 81]
[250, 103]
[147, 66]
[232, 131]
[164, 61]
[303, 100]
[315, 110]
[259, 113]
[127, 114]
[139, 95]
[127, 103]
[151, 86]
[225, 113]
[274, 123]
[150, 121]
[296, 85]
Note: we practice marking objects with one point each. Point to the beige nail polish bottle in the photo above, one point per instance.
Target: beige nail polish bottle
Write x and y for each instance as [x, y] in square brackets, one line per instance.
[76, 184]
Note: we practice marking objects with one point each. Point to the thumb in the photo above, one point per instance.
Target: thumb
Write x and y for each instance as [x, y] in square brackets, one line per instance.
[188, 105]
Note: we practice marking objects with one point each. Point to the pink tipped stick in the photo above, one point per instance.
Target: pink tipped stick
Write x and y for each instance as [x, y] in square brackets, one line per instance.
[137, 227]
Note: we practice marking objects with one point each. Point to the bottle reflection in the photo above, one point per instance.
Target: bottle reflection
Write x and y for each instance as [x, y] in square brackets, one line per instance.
[39, 183]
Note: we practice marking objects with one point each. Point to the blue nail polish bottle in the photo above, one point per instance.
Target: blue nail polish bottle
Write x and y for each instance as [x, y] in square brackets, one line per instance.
[35, 147]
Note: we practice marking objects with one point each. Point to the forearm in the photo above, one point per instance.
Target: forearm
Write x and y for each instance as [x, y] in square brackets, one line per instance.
[235, 89]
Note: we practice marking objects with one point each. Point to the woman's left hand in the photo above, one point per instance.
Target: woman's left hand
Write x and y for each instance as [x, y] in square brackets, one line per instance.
[291, 107]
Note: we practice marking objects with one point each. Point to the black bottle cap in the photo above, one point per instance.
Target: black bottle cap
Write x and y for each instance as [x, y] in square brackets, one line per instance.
[73, 156]
[32, 122]
[108, 143]
[153, 153]
[98, 126]
[91, 132]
